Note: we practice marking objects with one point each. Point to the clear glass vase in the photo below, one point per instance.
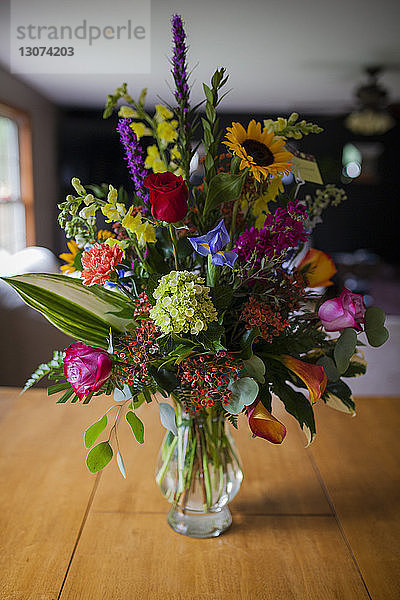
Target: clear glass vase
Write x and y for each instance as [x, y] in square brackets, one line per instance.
[199, 472]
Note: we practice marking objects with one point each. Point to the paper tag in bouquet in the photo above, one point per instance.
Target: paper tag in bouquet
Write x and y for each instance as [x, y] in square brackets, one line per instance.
[306, 167]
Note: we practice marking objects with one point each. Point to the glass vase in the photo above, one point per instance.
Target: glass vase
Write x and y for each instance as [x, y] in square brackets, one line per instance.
[199, 472]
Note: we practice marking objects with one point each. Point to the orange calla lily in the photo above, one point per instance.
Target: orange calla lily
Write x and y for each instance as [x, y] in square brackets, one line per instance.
[313, 376]
[265, 425]
[319, 268]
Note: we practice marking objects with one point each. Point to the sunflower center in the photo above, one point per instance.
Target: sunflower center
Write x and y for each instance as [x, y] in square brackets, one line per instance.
[261, 154]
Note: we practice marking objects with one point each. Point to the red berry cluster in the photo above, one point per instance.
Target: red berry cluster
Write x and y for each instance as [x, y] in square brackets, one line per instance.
[120, 231]
[290, 289]
[208, 376]
[259, 314]
[142, 305]
[135, 351]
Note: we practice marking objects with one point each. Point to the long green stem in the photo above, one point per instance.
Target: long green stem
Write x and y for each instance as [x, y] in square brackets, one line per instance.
[163, 470]
[200, 461]
[174, 241]
[233, 223]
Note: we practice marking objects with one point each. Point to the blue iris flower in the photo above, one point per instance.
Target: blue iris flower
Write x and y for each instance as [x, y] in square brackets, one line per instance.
[212, 243]
[123, 275]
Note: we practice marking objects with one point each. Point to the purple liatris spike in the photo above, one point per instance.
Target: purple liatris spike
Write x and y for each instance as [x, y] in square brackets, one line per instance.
[179, 70]
[134, 158]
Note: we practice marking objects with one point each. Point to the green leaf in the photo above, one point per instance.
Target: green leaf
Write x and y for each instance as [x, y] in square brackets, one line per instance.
[84, 313]
[357, 367]
[65, 396]
[122, 395]
[167, 380]
[376, 333]
[222, 296]
[154, 258]
[208, 93]
[121, 465]
[344, 349]
[299, 407]
[244, 392]
[45, 369]
[246, 342]
[223, 187]
[255, 368]
[329, 367]
[136, 426]
[339, 396]
[265, 396]
[93, 432]
[377, 337]
[374, 318]
[99, 457]
[58, 387]
[211, 337]
[167, 417]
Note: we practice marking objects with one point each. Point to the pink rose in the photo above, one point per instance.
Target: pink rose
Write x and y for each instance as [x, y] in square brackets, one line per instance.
[346, 311]
[86, 368]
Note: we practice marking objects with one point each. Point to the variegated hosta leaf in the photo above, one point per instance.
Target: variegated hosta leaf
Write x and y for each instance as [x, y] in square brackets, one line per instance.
[84, 313]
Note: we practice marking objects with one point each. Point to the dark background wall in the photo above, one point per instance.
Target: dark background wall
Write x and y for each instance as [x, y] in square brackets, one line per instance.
[89, 148]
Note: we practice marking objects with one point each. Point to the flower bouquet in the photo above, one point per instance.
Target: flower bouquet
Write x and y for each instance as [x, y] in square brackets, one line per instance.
[198, 289]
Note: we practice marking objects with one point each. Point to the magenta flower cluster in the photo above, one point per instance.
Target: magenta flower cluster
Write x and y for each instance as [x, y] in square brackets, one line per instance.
[282, 230]
[134, 158]
[179, 70]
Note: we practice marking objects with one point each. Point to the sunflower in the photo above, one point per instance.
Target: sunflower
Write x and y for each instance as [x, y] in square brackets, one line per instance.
[258, 150]
[70, 257]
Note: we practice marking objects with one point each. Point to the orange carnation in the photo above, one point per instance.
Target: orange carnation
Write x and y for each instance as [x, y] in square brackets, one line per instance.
[99, 262]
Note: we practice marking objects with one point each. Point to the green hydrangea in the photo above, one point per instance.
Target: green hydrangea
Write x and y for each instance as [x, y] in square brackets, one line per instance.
[183, 303]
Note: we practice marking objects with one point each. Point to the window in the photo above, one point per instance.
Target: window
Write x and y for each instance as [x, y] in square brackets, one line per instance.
[16, 188]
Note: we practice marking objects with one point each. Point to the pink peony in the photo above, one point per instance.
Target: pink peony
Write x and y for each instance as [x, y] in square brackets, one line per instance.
[99, 262]
[86, 368]
[346, 311]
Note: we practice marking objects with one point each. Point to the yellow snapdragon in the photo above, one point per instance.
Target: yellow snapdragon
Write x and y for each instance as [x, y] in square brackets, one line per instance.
[143, 230]
[163, 113]
[153, 160]
[140, 129]
[126, 112]
[166, 131]
[260, 206]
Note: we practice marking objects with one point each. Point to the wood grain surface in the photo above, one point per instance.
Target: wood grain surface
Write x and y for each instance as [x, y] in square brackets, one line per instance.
[318, 523]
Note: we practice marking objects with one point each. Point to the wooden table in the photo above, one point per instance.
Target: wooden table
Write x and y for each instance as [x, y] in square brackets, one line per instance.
[319, 523]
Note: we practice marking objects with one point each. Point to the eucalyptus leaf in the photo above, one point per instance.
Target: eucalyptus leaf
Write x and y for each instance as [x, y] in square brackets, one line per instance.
[344, 349]
[167, 417]
[374, 322]
[136, 426]
[255, 368]
[122, 395]
[99, 457]
[377, 337]
[93, 432]
[244, 392]
[374, 318]
[329, 367]
[121, 465]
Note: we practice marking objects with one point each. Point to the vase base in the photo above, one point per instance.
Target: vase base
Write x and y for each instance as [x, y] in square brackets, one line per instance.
[198, 524]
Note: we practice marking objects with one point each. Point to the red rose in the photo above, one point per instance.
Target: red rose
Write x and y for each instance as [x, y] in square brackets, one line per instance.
[168, 196]
[86, 368]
